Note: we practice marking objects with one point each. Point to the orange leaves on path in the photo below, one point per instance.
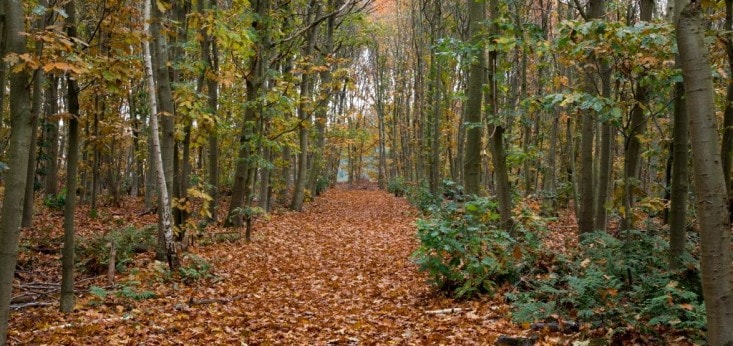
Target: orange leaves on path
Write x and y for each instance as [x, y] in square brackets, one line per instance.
[337, 273]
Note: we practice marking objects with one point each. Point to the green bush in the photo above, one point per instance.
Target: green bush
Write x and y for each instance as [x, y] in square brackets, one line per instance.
[422, 199]
[93, 252]
[614, 282]
[56, 201]
[127, 290]
[397, 186]
[462, 254]
[194, 268]
[322, 184]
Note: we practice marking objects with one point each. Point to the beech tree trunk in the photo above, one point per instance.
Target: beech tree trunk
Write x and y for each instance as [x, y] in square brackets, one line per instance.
[72, 166]
[727, 145]
[497, 144]
[37, 102]
[472, 157]
[637, 128]
[166, 110]
[164, 202]
[210, 56]
[678, 197]
[711, 204]
[17, 158]
[588, 123]
[51, 137]
[306, 91]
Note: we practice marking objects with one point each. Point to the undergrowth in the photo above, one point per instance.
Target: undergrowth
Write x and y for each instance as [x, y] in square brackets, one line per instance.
[93, 253]
[620, 283]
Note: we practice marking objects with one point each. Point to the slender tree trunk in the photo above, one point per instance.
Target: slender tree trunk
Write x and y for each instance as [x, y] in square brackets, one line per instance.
[245, 166]
[3, 67]
[588, 121]
[727, 145]
[472, 157]
[17, 156]
[52, 138]
[167, 135]
[496, 133]
[72, 165]
[711, 205]
[318, 162]
[210, 55]
[637, 128]
[306, 91]
[164, 202]
[678, 198]
[37, 102]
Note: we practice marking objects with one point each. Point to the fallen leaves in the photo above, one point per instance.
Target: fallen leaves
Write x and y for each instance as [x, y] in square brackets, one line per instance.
[336, 274]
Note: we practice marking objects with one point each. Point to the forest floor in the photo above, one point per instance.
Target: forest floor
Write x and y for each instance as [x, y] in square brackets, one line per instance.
[338, 273]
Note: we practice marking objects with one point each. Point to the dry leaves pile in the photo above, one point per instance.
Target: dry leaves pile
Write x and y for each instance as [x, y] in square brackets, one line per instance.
[338, 273]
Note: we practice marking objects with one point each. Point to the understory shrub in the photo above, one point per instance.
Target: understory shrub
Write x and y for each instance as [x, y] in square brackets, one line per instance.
[615, 283]
[419, 196]
[55, 201]
[194, 268]
[397, 186]
[93, 253]
[463, 253]
[127, 290]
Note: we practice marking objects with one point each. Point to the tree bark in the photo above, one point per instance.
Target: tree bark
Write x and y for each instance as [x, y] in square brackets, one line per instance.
[72, 166]
[306, 91]
[472, 157]
[37, 102]
[678, 198]
[210, 55]
[586, 217]
[711, 205]
[51, 137]
[167, 135]
[17, 156]
[637, 128]
[727, 145]
[164, 202]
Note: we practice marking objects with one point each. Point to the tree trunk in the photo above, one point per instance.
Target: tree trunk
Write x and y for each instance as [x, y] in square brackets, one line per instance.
[37, 102]
[472, 156]
[496, 133]
[210, 56]
[166, 137]
[306, 91]
[727, 145]
[318, 163]
[711, 205]
[164, 202]
[680, 161]
[637, 128]
[51, 138]
[245, 166]
[72, 165]
[588, 121]
[17, 156]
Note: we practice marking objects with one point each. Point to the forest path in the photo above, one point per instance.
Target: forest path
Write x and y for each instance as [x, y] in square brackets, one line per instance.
[338, 273]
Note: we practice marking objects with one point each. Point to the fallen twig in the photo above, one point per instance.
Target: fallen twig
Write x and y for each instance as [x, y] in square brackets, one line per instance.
[447, 311]
[28, 305]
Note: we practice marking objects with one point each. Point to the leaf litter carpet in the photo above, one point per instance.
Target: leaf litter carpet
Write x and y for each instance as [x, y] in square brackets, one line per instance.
[338, 273]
